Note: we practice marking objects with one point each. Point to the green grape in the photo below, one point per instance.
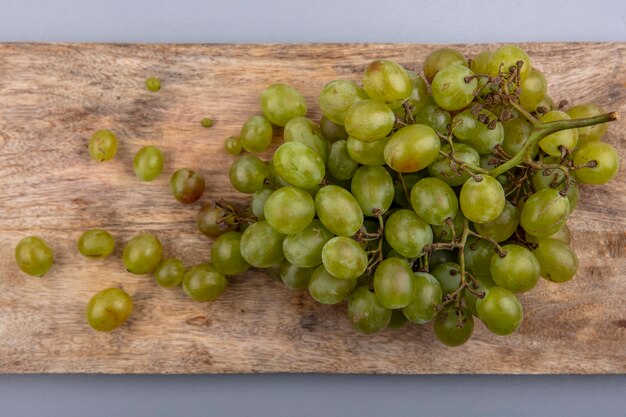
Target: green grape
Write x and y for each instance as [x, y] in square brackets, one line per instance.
[564, 235]
[441, 58]
[256, 134]
[400, 195]
[588, 133]
[557, 261]
[248, 174]
[336, 98]
[447, 327]
[412, 148]
[295, 277]
[442, 168]
[448, 274]
[565, 138]
[482, 201]
[407, 234]
[212, 221]
[435, 117]
[516, 133]
[477, 254]
[338, 210]
[449, 88]
[367, 153]
[372, 187]
[554, 178]
[533, 89]
[257, 205]
[471, 299]
[500, 310]
[109, 309]
[34, 256]
[544, 213]
[419, 97]
[153, 84]
[469, 130]
[332, 131]
[169, 273]
[299, 165]
[281, 103]
[344, 258]
[148, 163]
[440, 256]
[96, 243]
[517, 271]
[102, 145]
[394, 283]
[369, 120]
[206, 122]
[606, 163]
[503, 226]
[326, 289]
[426, 296]
[434, 201]
[506, 57]
[304, 249]
[305, 131]
[142, 254]
[393, 254]
[340, 165]
[443, 232]
[262, 246]
[289, 210]
[202, 282]
[232, 145]
[480, 62]
[276, 180]
[226, 254]
[366, 313]
[187, 185]
[387, 81]
[398, 320]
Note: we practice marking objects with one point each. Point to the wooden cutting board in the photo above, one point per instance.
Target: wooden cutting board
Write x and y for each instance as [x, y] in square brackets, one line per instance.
[53, 96]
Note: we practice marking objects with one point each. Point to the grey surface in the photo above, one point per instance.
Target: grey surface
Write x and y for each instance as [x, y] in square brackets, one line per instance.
[308, 21]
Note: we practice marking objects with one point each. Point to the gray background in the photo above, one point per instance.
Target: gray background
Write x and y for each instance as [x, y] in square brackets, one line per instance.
[311, 21]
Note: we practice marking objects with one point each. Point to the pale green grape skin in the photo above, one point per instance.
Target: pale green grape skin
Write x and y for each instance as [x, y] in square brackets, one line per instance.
[507, 56]
[326, 289]
[503, 226]
[365, 312]
[232, 145]
[336, 98]
[338, 210]
[96, 243]
[564, 235]
[305, 131]
[441, 58]
[449, 89]
[372, 187]
[386, 81]
[340, 165]
[102, 145]
[448, 274]
[482, 202]
[443, 233]
[299, 165]
[516, 132]
[226, 254]
[257, 205]
[557, 261]
[281, 103]
[142, 254]
[367, 153]
[289, 210]
[517, 271]
[607, 163]
[447, 331]
[344, 258]
[261, 245]
[412, 148]
[419, 97]
[369, 120]
[108, 309]
[256, 134]
[477, 254]
[394, 283]
[304, 249]
[501, 311]
[442, 167]
[555, 176]
[295, 277]
[588, 133]
[472, 132]
[407, 234]
[148, 163]
[435, 117]
[565, 138]
[34, 256]
[204, 283]
[533, 89]
[434, 201]
[422, 307]
[544, 213]
[480, 61]
[169, 273]
[332, 131]
[248, 173]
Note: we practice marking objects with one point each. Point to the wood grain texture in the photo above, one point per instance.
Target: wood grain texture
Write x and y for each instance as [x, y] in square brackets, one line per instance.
[52, 97]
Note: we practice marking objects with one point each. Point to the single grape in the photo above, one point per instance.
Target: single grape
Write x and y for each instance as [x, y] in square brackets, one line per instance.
[109, 309]
[401, 196]
[557, 261]
[412, 148]
[257, 204]
[289, 210]
[338, 210]
[262, 246]
[372, 187]
[344, 258]
[452, 331]
[441, 58]
[407, 234]
[477, 254]
[304, 249]
[299, 165]
[483, 136]
[564, 235]
[367, 153]
[554, 178]
[435, 117]
[369, 120]
[517, 271]
[449, 171]
[366, 313]
[232, 145]
[96, 243]
[326, 289]
[506, 57]
[295, 277]
[427, 294]
[202, 282]
[332, 131]
[434, 201]
[336, 98]
[565, 138]
[516, 133]
[340, 164]
[482, 201]
[102, 145]
[153, 84]
[305, 131]
[248, 173]
[34, 256]
[387, 81]
[444, 233]
[480, 61]
[212, 221]
[501, 311]
[448, 274]
[281, 103]
[503, 226]
[226, 254]
[169, 273]
[533, 89]
[148, 163]
[142, 254]
[256, 134]
[207, 122]
[544, 213]
[471, 299]
[187, 185]
[588, 133]
[398, 320]
[394, 283]
[449, 88]
[605, 162]
[419, 97]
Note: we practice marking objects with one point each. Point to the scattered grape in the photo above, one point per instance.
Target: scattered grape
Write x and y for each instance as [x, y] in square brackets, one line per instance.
[109, 309]
[34, 256]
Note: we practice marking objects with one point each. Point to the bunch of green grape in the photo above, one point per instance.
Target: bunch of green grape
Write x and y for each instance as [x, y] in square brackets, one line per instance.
[415, 199]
